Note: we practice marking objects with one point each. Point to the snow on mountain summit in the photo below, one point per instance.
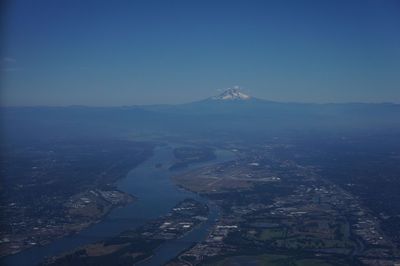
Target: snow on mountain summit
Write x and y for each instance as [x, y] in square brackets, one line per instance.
[232, 94]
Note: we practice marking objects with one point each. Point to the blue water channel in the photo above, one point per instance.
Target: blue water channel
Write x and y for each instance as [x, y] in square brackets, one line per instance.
[156, 195]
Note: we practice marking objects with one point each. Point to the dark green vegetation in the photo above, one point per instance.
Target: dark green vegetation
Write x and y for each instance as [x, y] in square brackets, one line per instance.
[280, 259]
[133, 246]
[313, 184]
[188, 155]
[50, 189]
[293, 212]
[368, 167]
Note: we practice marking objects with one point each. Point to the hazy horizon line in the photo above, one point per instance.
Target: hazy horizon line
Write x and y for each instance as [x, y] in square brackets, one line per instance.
[195, 101]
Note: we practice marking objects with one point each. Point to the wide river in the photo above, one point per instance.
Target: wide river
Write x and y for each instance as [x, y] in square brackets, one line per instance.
[156, 194]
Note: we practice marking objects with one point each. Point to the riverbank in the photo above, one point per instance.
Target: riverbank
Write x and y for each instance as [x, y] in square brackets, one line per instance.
[82, 210]
[156, 195]
[133, 246]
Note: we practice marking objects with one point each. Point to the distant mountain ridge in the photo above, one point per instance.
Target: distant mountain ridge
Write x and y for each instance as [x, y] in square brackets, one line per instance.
[232, 112]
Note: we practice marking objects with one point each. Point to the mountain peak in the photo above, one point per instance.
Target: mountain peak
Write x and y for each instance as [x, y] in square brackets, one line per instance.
[232, 94]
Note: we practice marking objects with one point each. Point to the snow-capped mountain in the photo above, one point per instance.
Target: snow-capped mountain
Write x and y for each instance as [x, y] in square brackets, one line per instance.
[232, 94]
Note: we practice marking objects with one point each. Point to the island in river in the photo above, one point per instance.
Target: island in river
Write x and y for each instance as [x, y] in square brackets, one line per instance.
[184, 156]
[278, 210]
[104, 188]
[136, 245]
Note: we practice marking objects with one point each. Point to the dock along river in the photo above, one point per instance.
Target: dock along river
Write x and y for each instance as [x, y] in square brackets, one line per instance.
[156, 194]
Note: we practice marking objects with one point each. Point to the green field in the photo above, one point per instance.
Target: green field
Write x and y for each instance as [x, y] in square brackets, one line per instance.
[277, 260]
[268, 234]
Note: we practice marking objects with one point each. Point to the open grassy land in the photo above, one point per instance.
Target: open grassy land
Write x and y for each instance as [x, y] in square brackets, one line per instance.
[278, 260]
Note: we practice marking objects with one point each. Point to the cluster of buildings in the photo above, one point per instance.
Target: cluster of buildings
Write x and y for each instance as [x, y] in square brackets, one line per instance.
[213, 245]
[183, 218]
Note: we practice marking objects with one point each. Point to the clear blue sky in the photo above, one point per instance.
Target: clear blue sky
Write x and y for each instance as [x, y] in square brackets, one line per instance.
[99, 52]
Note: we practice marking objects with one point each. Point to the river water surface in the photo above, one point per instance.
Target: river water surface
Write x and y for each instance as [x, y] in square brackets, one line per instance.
[156, 195]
